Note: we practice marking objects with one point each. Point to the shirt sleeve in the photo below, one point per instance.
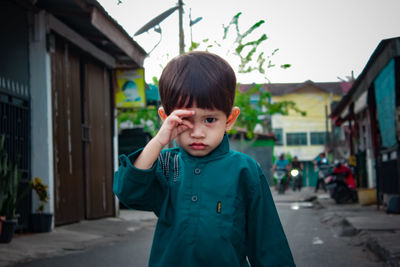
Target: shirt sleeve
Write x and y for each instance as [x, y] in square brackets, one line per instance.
[136, 188]
[266, 242]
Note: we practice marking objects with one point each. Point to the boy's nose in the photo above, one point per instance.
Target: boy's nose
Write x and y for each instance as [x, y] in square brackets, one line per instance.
[197, 131]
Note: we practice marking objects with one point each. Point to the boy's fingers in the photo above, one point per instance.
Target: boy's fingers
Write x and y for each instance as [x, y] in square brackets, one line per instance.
[174, 119]
[186, 123]
[182, 112]
[179, 121]
[182, 128]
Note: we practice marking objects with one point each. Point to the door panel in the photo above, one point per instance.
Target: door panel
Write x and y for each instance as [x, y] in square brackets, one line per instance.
[98, 148]
[68, 160]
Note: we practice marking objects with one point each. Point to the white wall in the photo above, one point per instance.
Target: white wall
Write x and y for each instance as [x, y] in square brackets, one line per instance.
[116, 152]
[41, 110]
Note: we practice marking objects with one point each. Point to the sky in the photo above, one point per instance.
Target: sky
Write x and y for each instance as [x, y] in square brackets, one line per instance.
[324, 41]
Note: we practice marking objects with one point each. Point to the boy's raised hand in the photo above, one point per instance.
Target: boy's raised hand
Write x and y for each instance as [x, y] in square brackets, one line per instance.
[173, 125]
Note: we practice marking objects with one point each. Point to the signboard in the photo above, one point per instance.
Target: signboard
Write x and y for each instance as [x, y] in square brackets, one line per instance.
[131, 89]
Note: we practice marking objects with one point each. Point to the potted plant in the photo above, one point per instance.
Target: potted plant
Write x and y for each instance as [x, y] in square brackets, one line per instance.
[9, 180]
[41, 221]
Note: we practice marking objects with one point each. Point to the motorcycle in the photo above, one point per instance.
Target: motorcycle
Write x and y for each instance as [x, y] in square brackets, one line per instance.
[296, 179]
[339, 190]
[280, 176]
[323, 172]
[324, 169]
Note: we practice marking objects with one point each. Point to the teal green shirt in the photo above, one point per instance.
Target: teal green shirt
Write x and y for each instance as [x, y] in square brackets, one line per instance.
[215, 210]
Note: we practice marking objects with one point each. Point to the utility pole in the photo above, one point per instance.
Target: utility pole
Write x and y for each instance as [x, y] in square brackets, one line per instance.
[181, 36]
[327, 143]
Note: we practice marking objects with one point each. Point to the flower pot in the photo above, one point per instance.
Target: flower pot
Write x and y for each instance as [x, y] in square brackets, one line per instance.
[41, 222]
[7, 230]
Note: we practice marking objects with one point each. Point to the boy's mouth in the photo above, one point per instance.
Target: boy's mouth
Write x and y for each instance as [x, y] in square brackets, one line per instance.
[198, 146]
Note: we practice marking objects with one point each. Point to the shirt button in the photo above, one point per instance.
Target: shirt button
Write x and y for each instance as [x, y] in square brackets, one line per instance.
[197, 171]
[194, 198]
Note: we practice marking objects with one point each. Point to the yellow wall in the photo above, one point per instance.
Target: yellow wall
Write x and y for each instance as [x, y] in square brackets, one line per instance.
[312, 100]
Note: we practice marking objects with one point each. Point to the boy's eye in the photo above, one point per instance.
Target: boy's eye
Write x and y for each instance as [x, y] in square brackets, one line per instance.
[210, 120]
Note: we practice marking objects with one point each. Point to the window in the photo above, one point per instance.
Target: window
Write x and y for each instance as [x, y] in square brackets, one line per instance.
[279, 136]
[296, 139]
[318, 138]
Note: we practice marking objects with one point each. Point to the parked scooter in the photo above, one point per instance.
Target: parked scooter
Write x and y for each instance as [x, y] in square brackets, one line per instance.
[339, 190]
[296, 179]
[323, 172]
[281, 178]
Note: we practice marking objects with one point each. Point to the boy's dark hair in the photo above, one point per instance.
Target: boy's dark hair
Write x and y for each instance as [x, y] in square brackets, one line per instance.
[198, 77]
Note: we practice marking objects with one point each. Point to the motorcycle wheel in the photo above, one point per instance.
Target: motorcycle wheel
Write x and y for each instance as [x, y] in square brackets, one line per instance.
[281, 188]
[299, 184]
[354, 196]
[339, 195]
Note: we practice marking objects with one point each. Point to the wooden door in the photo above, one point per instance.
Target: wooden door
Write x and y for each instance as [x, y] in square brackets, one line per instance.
[67, 114]
[98, 146]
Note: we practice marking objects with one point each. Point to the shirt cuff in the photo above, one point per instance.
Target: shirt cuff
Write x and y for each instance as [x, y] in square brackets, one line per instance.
[133, 173]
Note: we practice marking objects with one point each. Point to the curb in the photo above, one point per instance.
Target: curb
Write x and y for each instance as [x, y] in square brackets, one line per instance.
[373, 242]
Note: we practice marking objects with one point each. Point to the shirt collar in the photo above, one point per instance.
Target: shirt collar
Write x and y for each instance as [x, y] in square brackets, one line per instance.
[220, 150]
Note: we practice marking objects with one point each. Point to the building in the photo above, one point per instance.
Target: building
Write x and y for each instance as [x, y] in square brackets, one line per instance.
[369, 113]
[303, 136]
[57, 82]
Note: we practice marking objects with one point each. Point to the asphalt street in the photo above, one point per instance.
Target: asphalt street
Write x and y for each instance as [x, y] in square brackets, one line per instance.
[315, 237]
[133, 250]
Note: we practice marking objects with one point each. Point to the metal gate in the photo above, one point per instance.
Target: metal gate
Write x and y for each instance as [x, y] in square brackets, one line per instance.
[15, 126]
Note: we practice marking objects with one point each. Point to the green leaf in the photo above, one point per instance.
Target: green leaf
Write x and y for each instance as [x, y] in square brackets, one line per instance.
[285, 66]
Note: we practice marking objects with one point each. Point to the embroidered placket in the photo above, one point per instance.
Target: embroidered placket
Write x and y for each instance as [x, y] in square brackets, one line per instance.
[164, 162]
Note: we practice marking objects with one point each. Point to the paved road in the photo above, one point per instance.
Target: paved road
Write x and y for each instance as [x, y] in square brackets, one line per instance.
[314, 239]
[132, 251]
[312, 234]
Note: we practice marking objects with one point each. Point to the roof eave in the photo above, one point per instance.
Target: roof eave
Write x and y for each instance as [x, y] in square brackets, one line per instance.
[113, 31]
[373, 67]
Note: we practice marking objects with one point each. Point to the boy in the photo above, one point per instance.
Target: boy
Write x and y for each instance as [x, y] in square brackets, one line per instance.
[213, 204]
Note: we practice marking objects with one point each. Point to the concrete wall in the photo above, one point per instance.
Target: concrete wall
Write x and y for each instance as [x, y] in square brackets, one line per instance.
[41, 109]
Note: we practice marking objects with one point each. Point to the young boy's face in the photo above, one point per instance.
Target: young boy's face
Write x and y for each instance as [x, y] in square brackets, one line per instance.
[209, 127]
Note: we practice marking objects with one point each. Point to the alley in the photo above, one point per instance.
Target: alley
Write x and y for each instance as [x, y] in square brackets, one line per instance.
[128, 252]
[316, 241]
[86, 83]
[314, 234]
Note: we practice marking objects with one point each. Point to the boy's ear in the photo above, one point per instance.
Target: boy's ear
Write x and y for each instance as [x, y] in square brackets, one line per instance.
[232, 118]
[162, 114]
